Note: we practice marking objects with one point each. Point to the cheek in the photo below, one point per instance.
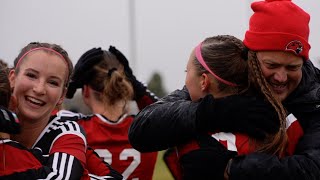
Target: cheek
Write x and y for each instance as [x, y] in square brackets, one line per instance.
[296, 77]
[187, 80]
[190, 82]
[20, 86]
[266, 72]
[193, 89]
[55, 94]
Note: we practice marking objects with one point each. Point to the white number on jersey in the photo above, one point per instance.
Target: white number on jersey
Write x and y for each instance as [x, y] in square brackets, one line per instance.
[107, 157]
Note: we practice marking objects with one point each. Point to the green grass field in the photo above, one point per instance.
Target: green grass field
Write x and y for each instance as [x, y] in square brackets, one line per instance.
[161, 171]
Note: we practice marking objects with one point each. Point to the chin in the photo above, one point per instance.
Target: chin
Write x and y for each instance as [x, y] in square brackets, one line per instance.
[282, 97]
[31, 115]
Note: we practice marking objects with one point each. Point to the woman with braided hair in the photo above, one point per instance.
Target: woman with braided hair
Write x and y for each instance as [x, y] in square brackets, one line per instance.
[219, 66]
[278, 41]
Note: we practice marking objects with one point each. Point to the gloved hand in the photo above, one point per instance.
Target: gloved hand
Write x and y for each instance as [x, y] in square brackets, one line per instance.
[8, 123]
[138, 87]
[72, 88]
[86, 61]
[80, 72]
[237, 113]
[208, 162]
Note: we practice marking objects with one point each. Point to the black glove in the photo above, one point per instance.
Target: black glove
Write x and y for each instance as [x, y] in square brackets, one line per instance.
[8, 123]
[81, 72]
[138, 87]
[237, 113]
[208, 162]
[72, 88]
[86, 61]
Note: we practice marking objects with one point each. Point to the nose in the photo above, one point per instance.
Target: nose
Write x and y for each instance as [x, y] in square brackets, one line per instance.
[281, 75]
[39, 88]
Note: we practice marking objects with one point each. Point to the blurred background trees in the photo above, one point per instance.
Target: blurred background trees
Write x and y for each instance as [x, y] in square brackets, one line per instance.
[155, 85]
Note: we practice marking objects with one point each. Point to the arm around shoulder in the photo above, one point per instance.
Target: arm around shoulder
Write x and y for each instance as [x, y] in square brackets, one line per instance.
[163, 124]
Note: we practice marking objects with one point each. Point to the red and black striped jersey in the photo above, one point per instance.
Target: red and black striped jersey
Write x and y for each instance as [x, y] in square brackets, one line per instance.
[110, 140]
[61, 148]
[17, 162]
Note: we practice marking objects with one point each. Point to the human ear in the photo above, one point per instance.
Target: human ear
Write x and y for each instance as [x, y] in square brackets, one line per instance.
[12, 77]
[62, 96]
[204, 82]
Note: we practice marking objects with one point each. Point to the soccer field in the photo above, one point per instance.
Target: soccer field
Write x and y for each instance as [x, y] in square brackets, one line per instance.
[161, 171]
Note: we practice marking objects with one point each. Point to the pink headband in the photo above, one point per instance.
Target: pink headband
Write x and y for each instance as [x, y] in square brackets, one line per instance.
[203, 63]
[41, 48]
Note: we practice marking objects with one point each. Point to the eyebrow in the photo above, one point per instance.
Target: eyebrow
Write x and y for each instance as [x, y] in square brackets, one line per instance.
[35, 71]
[274, 62]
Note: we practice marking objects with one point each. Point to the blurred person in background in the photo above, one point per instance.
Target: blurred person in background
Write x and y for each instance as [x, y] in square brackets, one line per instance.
[108, 86]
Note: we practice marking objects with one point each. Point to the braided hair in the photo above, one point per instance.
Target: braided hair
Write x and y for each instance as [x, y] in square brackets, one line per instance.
[275, 144]
[227, 57]
[222, 54]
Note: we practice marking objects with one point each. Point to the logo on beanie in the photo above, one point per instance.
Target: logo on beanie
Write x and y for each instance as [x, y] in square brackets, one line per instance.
[295, 46]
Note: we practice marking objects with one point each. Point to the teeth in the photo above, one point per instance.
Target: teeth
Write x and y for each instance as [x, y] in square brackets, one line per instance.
[35, 101]
[278, 86]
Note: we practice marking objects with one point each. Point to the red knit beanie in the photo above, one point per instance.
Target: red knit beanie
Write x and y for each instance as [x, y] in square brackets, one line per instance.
[278, 25]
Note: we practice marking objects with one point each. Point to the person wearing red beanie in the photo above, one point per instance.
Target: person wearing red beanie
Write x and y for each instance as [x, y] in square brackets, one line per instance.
[279, 32]
[278, 25]
[277, 39]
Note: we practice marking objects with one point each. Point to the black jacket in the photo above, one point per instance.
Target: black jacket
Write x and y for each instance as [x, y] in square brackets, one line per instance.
[161, 124]
[173, 120]
[304, 103]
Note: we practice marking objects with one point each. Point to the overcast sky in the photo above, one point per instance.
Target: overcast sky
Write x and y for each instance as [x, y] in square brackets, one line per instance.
[154, 35]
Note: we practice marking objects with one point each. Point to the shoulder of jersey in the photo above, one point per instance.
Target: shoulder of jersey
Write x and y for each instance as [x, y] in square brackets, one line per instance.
[63, 124]
[72, 116]
[56, 128]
